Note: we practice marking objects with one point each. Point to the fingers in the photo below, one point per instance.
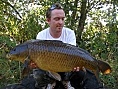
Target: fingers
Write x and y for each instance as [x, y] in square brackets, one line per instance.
[33, 65]
[76, 69]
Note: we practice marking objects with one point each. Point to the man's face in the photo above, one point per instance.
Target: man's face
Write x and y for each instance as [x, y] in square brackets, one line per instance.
[56, 22]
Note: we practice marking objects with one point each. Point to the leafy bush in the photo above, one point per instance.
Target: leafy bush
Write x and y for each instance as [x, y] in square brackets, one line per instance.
[10, 71]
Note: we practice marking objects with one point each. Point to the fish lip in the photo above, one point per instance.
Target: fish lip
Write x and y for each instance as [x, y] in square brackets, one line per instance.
[8, 56]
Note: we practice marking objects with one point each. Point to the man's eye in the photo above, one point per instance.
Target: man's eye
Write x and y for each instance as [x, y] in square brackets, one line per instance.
[63, 19]
[57, 19]
[14, 49]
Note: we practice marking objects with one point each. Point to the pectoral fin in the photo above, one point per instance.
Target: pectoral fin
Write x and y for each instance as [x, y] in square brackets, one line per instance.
[26, 68]
[54, 75]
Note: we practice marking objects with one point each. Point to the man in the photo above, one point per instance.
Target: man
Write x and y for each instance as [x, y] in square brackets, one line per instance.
[55, 18]
[57, 31]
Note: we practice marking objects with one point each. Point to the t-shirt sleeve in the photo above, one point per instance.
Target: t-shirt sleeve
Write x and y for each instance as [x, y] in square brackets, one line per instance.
[72, 38]
[39, 36]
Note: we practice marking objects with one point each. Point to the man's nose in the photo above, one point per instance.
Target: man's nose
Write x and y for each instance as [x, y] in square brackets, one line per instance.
[60, 21]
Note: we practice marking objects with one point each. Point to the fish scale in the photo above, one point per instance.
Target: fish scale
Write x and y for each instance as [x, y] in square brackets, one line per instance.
[57, 56]
[63, 64]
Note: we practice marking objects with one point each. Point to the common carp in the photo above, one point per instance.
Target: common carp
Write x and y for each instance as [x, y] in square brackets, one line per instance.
[56, 56]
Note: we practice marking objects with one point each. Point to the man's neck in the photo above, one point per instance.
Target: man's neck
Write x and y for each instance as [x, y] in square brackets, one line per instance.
[55, 35]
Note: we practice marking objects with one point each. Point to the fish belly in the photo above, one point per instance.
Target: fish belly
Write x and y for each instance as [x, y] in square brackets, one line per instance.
[59, 62]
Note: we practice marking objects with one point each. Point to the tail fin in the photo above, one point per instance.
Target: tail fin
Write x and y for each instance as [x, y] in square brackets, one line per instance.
[104, 67]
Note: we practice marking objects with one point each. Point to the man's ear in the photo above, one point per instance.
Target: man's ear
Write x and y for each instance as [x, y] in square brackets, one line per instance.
[48, 20]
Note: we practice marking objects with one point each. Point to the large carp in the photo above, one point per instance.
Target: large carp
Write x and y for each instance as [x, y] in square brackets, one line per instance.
[56, 56]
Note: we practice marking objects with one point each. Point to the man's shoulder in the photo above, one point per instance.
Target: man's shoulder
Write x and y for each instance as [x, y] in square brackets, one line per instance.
[44, 31]
[67, 30]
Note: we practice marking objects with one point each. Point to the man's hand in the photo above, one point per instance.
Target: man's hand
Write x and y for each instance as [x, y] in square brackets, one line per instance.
[33, 65]
[76, 69]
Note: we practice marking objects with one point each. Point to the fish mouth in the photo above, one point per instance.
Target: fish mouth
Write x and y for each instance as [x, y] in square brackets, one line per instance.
[8, 56]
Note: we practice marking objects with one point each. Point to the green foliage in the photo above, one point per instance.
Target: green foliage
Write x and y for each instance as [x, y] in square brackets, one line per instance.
[10, 71]
[102, 44]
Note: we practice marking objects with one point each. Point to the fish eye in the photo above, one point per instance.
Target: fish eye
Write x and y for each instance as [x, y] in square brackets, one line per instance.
[14, 49]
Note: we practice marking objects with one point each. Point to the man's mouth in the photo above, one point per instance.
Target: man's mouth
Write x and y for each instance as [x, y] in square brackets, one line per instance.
[60, 27]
